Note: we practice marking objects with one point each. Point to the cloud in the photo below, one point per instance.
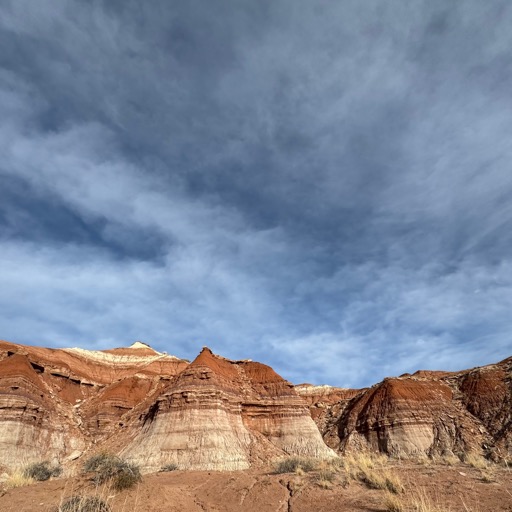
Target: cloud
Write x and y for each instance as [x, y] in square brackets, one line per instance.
[320, 187]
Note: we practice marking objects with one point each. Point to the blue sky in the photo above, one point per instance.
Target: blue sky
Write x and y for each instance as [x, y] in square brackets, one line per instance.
[325, 187]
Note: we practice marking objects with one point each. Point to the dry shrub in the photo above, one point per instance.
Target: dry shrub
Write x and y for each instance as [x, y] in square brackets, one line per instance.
[325, 478]
[294, 464]
[169, 467]
[364, 460]
[424, 460]
[393, 482]
[488, 476]
[110, 468]
[419, 501]
[41, 471]
[381, 479]
[450, 460]
[324, 484]
[369, 468]
[84, 504]
[336, 463]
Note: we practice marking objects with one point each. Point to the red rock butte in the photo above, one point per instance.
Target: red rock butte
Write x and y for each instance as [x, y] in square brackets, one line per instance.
[217, 414]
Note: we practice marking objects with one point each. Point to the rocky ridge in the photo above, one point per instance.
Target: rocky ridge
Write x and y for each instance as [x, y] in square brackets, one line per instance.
[155, 409]
[427, 414]
[217, 414]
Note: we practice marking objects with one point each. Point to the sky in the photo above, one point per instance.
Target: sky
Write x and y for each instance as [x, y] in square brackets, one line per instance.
[324, 187]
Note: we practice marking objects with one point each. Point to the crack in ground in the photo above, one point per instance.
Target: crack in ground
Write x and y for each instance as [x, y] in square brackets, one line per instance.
[245, 492]
[290, 490]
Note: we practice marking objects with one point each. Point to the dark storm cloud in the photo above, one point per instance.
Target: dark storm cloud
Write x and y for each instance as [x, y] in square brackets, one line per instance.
[321, 186]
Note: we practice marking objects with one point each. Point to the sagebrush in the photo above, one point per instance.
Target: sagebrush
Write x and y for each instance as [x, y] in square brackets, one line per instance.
[42, 471]
[110, 468]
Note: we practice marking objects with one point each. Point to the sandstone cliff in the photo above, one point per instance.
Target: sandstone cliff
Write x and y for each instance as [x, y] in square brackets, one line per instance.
[222, 414]
[153, 408]
[214, 413]
[425, 414]
[56, 403]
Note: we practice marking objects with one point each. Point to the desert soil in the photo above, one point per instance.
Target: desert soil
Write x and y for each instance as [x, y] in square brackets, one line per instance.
[450, 488]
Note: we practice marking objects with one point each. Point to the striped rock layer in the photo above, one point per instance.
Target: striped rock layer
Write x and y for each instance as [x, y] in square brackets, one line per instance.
[427, 414]
[155, 409]
[216, 414]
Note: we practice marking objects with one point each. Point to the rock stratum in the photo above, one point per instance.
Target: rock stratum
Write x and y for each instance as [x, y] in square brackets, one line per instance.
[427, 414]
[217, 414]
[153, 408]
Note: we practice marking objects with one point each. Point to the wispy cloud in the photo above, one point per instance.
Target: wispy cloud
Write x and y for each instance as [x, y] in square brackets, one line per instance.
[322, 187]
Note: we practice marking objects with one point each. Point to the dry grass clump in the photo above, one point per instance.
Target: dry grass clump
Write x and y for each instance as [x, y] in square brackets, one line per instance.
[393, 503]
[447, 459]
[106, 467]
[42, 471]
[450, 460]
[83, 504]
[382, 479]
[417, 501]
[476, 461]
[424, 460]
[18, 479]
[488, 476]
[325, 477]
[294, 465]
[369, 468]
[324, 471]
[422, 503]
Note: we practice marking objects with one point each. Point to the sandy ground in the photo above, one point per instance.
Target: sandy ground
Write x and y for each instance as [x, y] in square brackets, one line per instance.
[450, 488]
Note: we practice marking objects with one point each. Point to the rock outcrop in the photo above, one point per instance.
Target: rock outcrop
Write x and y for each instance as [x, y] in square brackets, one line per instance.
[426, 414]
[153, 408]
[222, 414]
[31, 423]
[56, 403]
[214, 413]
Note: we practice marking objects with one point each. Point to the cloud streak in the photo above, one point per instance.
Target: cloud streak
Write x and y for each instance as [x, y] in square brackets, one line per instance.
[324, 188]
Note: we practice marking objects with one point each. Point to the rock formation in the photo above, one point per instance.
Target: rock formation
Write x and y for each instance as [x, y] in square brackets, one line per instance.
[214, 413]
[28, 415]
[56, 403]
[153, 408]
[425, 414]
[222, 414]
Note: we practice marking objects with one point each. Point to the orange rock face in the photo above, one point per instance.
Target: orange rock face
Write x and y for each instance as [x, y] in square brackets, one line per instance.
[56, 403]
[153, 408]
[222, 414]
[214, 413]
[427, 414]
[29, 409]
